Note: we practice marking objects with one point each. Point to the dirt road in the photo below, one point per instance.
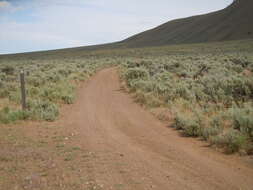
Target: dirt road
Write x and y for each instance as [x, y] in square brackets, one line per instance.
[133, 150]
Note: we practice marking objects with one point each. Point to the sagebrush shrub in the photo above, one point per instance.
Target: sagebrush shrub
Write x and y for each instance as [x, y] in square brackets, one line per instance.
[208, 132]
[136, 73]
[43, 110]
[8, 70]
[8, 116]
[232, 141]
[243, 120]
[210, 84]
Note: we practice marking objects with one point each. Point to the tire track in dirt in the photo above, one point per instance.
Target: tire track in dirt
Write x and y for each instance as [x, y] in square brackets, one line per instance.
[130, 149]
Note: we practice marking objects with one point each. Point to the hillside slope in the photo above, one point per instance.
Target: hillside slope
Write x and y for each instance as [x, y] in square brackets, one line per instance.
[231, 23]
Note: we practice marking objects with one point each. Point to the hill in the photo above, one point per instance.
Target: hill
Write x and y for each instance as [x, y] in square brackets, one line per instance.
[231, 23]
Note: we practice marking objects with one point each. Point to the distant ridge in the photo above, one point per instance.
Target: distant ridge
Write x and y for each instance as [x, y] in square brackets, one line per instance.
[232, 23]
[235, 22]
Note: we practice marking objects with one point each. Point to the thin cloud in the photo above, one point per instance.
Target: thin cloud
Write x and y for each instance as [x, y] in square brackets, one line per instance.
[4, 4]
[9, 7]
[30, 25]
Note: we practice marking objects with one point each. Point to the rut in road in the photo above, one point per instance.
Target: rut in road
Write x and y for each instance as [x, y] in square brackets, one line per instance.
[133, 150]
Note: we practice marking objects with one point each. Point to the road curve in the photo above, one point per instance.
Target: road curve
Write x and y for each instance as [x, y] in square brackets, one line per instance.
[134, 151]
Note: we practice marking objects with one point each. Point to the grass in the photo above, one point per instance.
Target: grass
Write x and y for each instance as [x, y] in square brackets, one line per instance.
[49, 83]
[210, 93]
[207, 87]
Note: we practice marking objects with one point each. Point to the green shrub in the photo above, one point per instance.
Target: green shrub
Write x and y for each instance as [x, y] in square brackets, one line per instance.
[15, 96]
[2, 76]
[192, 129]
[33, 91]
[68, 99]
[208, 132]
[233, 141]
[1, 84]
[242, 62]
[9, 116]
[216, 121]
[8, 70]
[58, 92]
[179, 122]
[243, 120]
[136, 73]
[4, 93]
[64, 72]
[43, 110]
[143, 85]
[53, 77]
[36, 81]
[190, 126]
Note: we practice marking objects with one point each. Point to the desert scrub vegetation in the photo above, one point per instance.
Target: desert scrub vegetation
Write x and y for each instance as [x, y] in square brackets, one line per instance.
[49, 83]
[208, 87]
[210, 94]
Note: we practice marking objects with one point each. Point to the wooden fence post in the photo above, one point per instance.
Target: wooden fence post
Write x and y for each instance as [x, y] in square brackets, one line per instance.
[23, 93]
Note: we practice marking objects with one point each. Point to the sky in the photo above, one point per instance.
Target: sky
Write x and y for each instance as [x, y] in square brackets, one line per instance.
[33, 25]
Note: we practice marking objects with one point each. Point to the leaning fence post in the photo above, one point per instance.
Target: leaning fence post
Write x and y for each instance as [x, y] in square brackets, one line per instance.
[22, 85]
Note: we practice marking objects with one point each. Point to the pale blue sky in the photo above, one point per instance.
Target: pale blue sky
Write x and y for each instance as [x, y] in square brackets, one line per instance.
[32, 25]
